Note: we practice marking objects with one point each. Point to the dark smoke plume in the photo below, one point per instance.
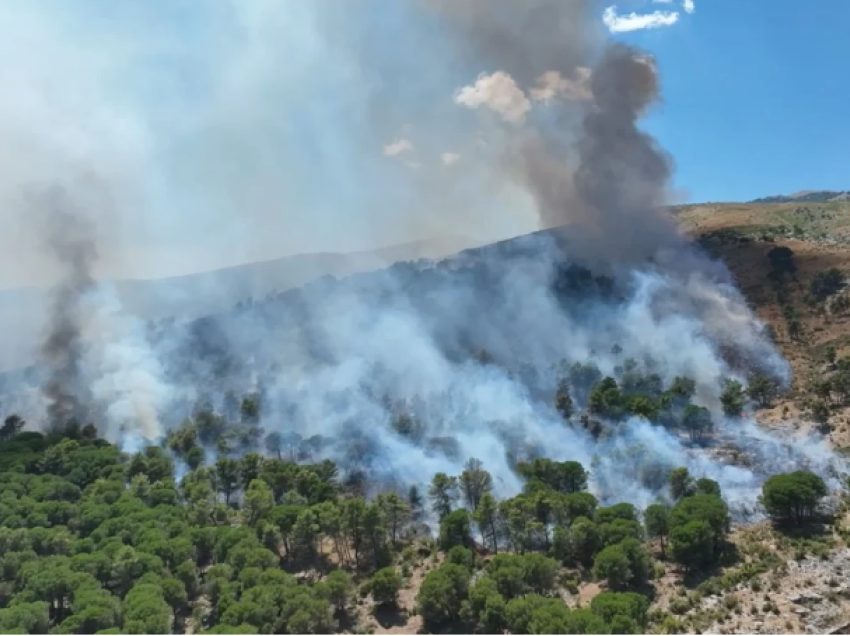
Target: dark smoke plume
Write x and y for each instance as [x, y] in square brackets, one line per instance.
[622, 177]
[71, 243]
[585, 162]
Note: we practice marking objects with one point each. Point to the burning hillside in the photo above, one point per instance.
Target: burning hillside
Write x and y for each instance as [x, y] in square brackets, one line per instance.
[609, 340]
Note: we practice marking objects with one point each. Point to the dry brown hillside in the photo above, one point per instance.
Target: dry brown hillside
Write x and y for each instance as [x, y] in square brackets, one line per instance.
[742, 235]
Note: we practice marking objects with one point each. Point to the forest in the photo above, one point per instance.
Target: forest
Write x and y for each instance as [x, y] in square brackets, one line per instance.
[182, 537]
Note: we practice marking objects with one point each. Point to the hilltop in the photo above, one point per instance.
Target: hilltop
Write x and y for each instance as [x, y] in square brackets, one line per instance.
[806, 196]
[23, 311]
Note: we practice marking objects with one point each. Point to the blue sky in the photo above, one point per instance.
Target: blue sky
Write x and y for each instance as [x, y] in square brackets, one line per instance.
[755, 95]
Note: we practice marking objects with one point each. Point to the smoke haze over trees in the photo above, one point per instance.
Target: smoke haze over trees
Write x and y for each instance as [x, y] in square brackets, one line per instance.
[483, 117]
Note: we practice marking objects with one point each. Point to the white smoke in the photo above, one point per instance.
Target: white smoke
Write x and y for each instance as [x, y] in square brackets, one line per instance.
[266, 127]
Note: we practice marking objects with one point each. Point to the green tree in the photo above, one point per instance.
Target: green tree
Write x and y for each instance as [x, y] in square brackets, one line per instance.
[461, 556]
[623, 511]
[443, 494]
[486, 517]
[249, 410]
[187, 573]
[175, 595]
[697, 421]
[305, 535]
[396, 513]
[385, 585]
[683, 387]
[705, 486]
[25, 618]
[681, 483]
[563, 477]
[227, 477]
[414, 500]
[259, 501]
[442, 594]
[274, 444]
[793, 496]
[584, 539]
[250, 468]
[485, 607]
[145, 610]
[475, 482]
[563, 401]
[313, 616]
[456, 529]
[732, 399]
[657, 520]
[340, 588]
[691, 544]
[709, 509]
[612, 564]
[606, 400]
[518, 574]
[609, 605]
[762, 390]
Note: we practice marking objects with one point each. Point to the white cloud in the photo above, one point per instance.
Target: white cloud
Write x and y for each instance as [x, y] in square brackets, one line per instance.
[450, 158]
[689, 6]
[552, 84]
[399, 146]
[617, 23]
[498, 92]
[413, 165]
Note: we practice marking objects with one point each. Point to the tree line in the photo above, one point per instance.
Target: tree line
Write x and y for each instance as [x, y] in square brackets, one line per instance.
[93, 540]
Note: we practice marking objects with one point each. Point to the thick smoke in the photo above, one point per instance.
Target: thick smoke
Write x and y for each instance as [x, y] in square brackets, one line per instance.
[622, 178]
[70, 241]
[265, 127]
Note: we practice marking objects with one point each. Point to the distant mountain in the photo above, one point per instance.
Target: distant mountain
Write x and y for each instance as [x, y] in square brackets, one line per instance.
[807, 196]
[23, 311]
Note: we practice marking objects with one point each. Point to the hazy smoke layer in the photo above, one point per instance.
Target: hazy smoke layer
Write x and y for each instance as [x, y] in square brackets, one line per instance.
[235, 130]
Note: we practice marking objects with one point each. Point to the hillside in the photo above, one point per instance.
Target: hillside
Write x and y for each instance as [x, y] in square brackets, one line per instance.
[23, 311]
[818, 234]
[235, 522]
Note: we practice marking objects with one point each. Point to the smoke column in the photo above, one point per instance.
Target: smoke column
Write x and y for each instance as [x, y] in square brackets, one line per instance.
[71, 243]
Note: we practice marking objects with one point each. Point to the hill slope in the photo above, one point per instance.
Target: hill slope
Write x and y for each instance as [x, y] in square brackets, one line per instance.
[23, 311]
[818, 234]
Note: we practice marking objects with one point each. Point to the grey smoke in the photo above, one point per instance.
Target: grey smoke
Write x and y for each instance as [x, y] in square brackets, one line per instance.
[71, 243]
[623, 175]
[256, 153]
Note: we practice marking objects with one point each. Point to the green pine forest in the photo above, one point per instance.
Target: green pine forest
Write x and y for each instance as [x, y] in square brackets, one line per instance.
[96, 541]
